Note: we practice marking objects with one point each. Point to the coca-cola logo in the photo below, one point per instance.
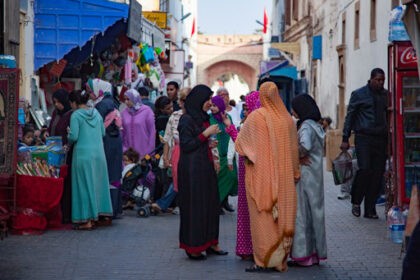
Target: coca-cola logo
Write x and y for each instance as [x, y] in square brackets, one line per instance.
[408, 56]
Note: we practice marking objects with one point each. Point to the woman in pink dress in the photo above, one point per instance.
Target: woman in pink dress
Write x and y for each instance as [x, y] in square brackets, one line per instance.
[243, 231]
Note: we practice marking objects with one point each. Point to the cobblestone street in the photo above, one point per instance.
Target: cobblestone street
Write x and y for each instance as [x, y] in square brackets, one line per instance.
[147, 248]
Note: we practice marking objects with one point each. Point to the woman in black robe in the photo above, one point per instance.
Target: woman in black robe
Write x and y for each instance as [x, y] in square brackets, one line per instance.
[197, 179]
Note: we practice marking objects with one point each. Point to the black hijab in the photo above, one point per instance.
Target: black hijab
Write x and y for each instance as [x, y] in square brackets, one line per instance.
[195, 101]
[306, 109]
[63, 97]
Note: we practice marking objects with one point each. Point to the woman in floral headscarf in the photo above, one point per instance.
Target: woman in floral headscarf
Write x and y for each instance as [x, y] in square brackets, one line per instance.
[227, 179]
[101, 94]
[138, 124]
[268, 140]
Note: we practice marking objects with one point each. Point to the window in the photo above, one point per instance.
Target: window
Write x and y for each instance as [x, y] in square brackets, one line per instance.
[372, 20]
[343, 29]
[296, 9]
[287, 14]
[357, 25]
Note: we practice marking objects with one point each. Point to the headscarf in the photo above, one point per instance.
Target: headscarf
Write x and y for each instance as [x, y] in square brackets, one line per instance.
[252, 100]
[134, 96]
[195, 101]
[306, 109]
[220, 103]
[281, 152]
[63, 97]
[100, 89]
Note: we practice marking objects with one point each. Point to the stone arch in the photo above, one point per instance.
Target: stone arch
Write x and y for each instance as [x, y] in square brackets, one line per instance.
[246, 72]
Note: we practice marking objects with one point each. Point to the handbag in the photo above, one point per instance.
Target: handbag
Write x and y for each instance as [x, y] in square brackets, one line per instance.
[342, 168]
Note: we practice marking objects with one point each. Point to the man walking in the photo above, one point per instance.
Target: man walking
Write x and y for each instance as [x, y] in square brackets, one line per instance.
[367, 117]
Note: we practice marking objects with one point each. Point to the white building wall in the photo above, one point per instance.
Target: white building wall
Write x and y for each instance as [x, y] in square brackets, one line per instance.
[327, 76]
[190, 42]
[359, 61]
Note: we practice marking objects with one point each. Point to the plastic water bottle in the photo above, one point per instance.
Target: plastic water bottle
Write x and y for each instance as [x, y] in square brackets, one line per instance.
[396, 223]
[397, 31]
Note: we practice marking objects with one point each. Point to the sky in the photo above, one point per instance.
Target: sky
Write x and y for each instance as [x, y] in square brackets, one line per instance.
[231, 16]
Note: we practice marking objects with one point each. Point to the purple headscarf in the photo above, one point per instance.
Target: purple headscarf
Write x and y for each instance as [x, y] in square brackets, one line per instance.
[134, 97]
[252, 100]
[220, 103]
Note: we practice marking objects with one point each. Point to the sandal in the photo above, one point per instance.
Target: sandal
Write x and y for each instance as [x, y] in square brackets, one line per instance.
[257, 268]
[294, 264]
[82, 227]
[371, 216]
[355, 210]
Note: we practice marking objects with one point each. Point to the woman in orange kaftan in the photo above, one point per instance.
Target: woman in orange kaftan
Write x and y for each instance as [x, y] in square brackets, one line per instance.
[268, 140]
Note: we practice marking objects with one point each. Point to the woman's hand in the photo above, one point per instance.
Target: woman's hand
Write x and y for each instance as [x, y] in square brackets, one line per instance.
[217, 167]
[230, 166]
[213, 129]
[226, 119]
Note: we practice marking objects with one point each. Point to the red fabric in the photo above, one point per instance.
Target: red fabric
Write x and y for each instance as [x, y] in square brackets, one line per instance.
[198, 249]
[37, 199]
[176, 151]
[265, 22]
[193, 28]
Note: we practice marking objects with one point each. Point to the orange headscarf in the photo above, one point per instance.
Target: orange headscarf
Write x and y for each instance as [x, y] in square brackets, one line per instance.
[269, 140]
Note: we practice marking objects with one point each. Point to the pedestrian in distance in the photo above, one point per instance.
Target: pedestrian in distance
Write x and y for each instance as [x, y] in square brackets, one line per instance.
[172, 89]
[309, 241]
[197, 179]
[367, 117]
[268, 140]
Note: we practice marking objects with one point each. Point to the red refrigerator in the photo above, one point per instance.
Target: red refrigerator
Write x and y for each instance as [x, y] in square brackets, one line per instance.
[404, 85]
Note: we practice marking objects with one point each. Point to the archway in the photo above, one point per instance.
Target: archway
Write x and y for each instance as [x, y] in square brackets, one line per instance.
[240, 77]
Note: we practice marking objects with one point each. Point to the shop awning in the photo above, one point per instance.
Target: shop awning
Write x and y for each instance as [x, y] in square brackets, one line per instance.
[62, 25]
[283, 69]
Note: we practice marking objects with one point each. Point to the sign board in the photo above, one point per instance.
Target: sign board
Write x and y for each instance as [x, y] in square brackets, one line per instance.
[159, 18]
[134, 21]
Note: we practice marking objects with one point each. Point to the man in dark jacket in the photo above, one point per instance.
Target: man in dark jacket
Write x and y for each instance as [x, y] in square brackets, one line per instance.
[367, 117]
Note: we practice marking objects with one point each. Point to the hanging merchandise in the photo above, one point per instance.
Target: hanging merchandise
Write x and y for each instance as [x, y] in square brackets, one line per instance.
[148, 54]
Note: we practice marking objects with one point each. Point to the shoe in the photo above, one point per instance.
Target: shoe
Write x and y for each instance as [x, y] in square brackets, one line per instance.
[176, 211]
[200, 257]
[371, 216]
[257, 268]
[83, 227]
[104, 222]
[293, 263]
[381, 201]
[355, 210]
[211, 251]
[343, 196]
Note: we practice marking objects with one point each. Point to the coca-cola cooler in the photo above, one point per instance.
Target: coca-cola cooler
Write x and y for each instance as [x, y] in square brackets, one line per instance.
[404, 85]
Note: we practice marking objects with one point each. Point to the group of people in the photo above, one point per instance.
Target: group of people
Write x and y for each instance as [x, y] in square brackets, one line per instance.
[279, 168]
[277, 177]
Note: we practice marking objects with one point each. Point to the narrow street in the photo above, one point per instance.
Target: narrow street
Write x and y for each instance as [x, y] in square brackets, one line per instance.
[147, 248]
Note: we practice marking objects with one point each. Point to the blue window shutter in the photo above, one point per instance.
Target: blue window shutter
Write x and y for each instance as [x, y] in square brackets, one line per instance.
[317, 47]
